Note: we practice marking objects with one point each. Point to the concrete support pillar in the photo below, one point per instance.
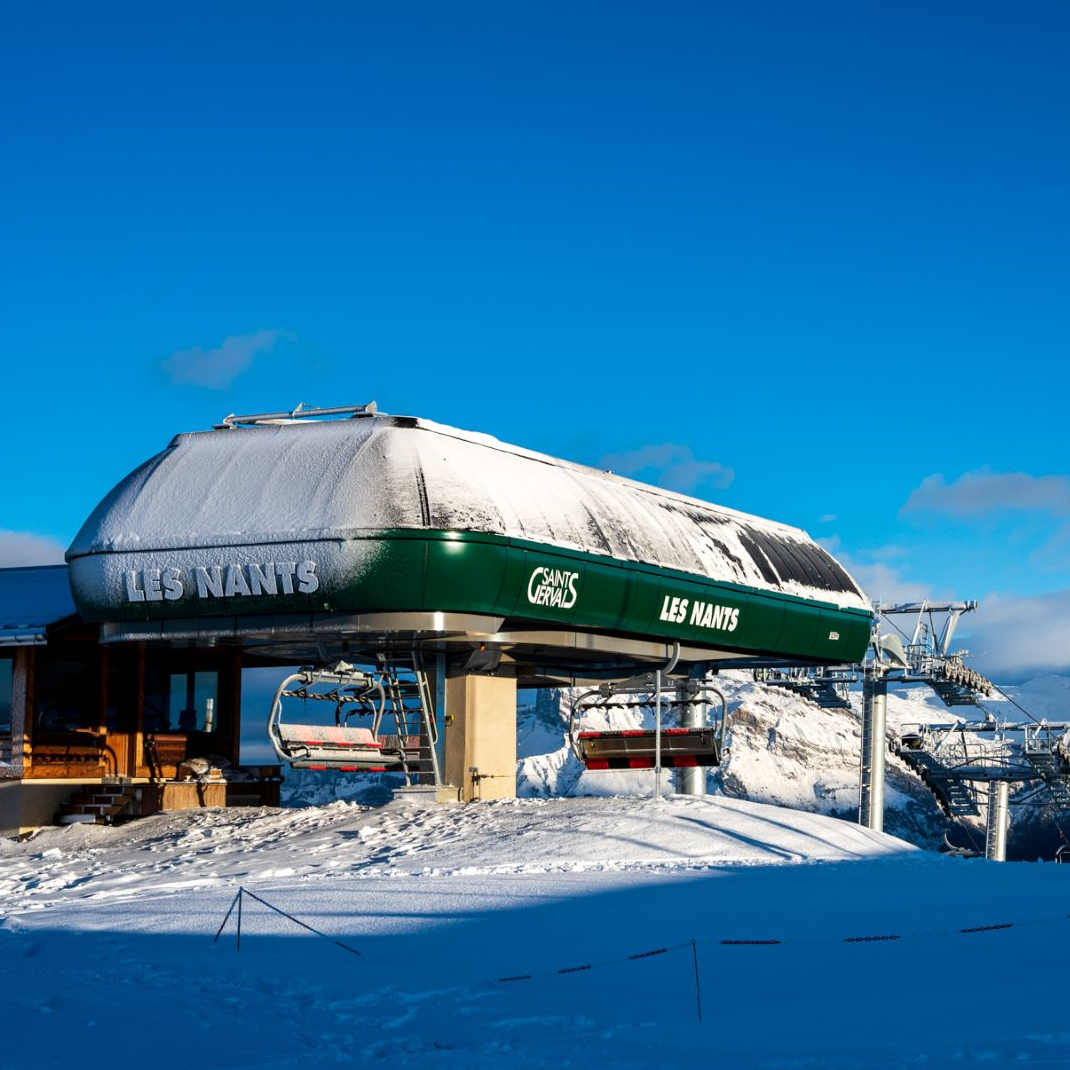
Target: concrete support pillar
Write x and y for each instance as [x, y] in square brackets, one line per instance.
[874, 745]
[690, 781]
[480, 737]
[998, 820]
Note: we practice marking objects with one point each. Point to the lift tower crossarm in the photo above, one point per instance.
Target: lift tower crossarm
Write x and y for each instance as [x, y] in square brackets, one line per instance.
[925, 606]
[954, 611]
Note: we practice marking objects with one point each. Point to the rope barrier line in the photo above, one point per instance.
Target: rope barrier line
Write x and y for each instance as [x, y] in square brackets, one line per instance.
[875, 938]
[230, 910]
[242, 892]
[693, 944]
[584, 967]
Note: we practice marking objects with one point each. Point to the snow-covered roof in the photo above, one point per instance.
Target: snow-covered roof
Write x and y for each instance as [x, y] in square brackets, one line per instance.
[338, 479]
[30, 600]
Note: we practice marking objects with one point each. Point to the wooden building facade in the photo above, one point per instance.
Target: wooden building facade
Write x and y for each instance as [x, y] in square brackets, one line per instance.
[92, 731]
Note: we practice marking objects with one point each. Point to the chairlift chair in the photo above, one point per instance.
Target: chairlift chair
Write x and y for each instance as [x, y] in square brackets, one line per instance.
[342, 746]
[638, 748]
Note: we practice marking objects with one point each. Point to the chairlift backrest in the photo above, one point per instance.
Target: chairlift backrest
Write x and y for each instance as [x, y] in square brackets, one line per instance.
[347, 693]
[642, 748]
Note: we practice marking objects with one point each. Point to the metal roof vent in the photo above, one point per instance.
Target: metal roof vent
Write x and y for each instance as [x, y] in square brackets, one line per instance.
[300, 413]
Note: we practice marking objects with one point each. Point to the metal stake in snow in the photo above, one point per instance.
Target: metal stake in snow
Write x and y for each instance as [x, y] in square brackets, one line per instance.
[698, 989]
[237, 902]
[874, 730]
[657, 734]
[998, 814]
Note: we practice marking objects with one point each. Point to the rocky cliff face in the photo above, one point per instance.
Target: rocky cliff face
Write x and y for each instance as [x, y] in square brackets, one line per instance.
[788, 751]
[782, 750]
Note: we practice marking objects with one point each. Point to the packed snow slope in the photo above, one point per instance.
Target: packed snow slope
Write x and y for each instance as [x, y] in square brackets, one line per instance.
[107, 950]
[210, 848]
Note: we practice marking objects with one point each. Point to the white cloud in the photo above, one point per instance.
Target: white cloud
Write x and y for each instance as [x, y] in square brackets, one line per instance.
[20, 548]
[883, 582]
[984, 492]
[828, 518]
[887, 552]
[879, 580]
[217, 368]
[670, 465]
[1015, 637]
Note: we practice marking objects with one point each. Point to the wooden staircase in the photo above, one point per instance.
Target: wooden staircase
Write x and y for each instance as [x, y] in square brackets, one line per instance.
[103, 805]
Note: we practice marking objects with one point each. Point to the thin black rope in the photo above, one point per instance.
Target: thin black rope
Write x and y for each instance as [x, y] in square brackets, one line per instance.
[233, 903]
[290, 917]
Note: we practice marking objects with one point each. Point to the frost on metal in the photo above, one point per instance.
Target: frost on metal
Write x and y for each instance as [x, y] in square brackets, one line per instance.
[337, 480]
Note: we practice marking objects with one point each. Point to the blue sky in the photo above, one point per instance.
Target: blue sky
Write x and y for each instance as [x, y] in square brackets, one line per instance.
[805, 259]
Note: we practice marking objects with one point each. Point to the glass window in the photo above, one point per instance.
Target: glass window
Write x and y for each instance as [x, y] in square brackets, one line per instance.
[120, 713]
[193, 700]
[68, 687]
[6, 664]
[180, 696]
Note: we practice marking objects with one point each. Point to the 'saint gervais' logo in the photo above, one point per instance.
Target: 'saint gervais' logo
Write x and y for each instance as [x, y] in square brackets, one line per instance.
[221, 581]
[552, 587]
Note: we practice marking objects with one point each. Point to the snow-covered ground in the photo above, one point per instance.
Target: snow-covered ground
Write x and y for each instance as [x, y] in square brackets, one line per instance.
[107, 951]
[106, 941]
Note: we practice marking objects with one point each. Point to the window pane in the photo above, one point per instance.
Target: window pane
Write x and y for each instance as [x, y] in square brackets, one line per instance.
[120, 714]
[5, 695]
[194, 698]
[68, 689]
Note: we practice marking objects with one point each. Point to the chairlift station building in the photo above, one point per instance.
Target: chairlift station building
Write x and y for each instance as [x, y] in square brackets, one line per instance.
[347, 535]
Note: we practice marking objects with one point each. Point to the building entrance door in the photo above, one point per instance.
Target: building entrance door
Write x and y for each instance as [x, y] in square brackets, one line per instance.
[123, 672]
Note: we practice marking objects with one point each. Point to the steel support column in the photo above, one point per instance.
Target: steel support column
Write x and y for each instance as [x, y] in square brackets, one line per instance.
[657, 735]
[998, 819]
[874, 744]
[690, 781]
[440, 712]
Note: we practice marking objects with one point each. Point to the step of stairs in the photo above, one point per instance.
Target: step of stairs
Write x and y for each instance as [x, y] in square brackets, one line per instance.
[95, 805]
